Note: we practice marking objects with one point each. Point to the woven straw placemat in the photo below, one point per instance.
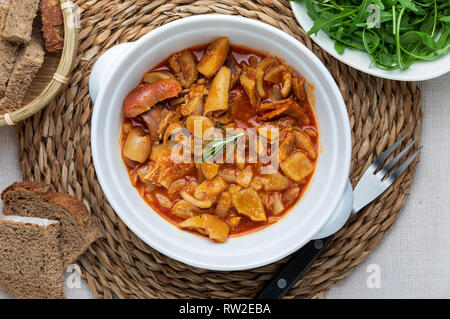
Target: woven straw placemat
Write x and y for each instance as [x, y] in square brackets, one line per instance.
[55, 148]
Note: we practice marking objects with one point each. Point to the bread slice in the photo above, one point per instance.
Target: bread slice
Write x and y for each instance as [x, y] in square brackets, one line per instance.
[30, 258]
[52, 25]
[19, 20]
[78, 231]
[28, 63]
[4, 9]
[8, 53]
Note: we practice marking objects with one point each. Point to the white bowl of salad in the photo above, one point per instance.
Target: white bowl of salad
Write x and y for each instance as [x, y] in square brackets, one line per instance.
[403, 40]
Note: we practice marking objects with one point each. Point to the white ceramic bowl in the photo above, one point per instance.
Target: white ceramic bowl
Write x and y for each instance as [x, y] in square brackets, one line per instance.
[418, 71]
[120, 70]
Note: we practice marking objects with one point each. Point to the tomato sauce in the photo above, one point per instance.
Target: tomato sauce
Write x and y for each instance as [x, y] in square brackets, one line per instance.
[244, 115]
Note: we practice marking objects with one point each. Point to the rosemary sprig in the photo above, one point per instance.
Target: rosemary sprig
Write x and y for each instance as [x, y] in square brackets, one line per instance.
[216, 146]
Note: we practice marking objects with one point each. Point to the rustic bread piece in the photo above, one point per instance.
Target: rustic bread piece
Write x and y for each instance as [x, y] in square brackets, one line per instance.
[52, 25]
[78, 231]
[4, 9]
[30, 258]
[8, 53]
[19, 20]
[28, 63]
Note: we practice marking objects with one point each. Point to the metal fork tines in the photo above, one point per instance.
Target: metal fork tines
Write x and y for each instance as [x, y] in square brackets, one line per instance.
[377, 179]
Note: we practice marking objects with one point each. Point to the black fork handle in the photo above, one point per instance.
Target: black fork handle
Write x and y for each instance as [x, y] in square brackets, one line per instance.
[280, 285]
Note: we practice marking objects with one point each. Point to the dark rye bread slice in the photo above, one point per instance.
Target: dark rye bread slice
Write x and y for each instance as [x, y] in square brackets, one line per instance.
[8, 53]
[18, 23]
[26, 66]
[30, 258]
[78, 231]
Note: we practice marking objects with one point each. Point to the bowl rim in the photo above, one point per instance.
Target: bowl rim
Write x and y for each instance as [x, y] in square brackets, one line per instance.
[327, 45]
[96, 119]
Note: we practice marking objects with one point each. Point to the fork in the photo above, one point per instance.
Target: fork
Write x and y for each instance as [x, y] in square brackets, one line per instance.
[375, 180]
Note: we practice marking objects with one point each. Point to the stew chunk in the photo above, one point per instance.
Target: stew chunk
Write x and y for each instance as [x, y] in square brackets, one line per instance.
[142, 98]
[214, 57]
[137, 146]
[247, 202]
[297, 166]
[218, 96]
[214, 227]
[210, 189]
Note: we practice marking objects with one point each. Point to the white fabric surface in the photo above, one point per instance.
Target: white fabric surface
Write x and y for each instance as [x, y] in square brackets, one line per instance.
[414, 260]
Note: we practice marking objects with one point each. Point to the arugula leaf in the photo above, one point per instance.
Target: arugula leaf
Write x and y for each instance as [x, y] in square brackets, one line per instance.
[408, 4]
[362, 13]
[323, 23]
[416, 36]
[339, 47]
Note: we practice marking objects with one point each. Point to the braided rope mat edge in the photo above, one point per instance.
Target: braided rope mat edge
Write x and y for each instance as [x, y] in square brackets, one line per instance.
[55, 148]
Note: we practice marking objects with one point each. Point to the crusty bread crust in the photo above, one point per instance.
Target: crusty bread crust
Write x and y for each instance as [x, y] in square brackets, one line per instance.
[52, 21]
[38, 188]
[52, 10]
[47, 192]
[68, 203]
[4, 9]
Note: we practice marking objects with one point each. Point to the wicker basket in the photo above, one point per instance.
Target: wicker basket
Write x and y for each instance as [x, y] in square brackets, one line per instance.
[53, 74]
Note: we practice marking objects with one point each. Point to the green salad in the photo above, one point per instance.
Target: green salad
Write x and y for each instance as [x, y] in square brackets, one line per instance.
[395, 33]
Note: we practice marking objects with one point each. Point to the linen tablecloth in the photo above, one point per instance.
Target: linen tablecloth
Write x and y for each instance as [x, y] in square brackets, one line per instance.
[413, 261]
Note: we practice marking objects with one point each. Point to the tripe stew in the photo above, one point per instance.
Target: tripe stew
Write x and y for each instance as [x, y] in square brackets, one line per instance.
[225, 88]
